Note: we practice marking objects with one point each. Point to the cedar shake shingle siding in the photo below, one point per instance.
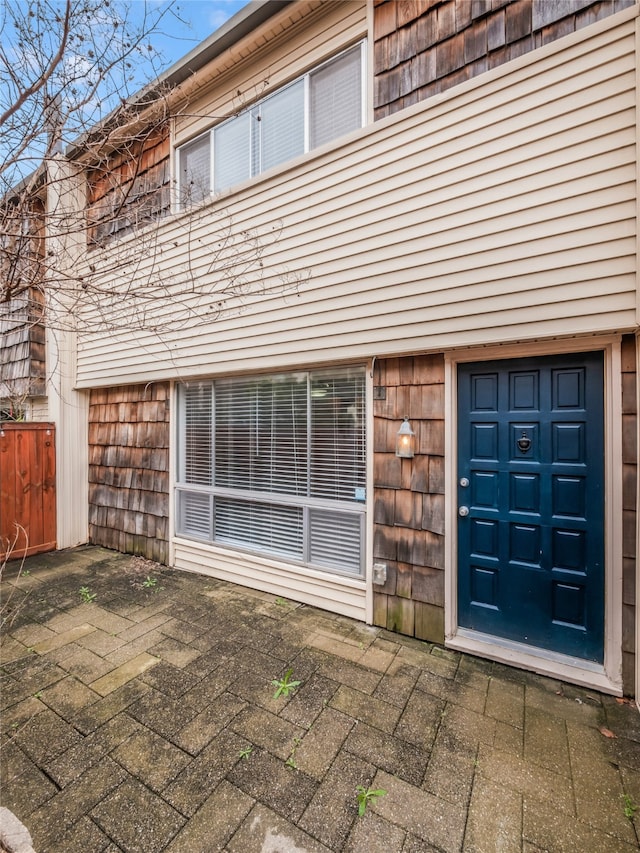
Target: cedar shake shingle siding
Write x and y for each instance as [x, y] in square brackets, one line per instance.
[409, 497]
[129, 469]
[423, 47]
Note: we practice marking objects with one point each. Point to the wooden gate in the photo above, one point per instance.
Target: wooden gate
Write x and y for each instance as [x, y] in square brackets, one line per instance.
[27, 488]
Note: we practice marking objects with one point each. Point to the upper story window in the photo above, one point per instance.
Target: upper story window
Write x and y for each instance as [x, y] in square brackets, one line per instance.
[324, 104]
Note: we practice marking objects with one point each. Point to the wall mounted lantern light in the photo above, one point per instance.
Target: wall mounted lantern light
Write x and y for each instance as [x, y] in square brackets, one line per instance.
[405, 441]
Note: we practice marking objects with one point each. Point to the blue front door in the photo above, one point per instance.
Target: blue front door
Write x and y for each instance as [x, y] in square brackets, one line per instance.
[531, 502]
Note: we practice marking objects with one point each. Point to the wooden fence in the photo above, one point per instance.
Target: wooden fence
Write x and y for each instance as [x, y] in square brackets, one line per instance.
[27, 488]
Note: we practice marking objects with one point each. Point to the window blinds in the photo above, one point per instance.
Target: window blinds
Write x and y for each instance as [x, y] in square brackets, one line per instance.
[273, 130]
[335, 98]
[278, 464]
[195, 170]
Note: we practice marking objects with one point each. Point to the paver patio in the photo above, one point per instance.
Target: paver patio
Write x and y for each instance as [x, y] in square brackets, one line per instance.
[145, 721]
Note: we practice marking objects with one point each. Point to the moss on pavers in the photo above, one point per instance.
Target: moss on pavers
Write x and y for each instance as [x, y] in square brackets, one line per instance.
[137, 819]
[208, 723]
[267, 730]
[494, 819]
[363, 707]
[597, 783]
[445, 733]
[162, 714]
[45, 736]
[170, 679]
[115, 678]
[24, 786]
[374, 834]
[333, 809]
[89, 719]
[57, 815]
[420, 719]
[309, 700]
[192, 786]
[450, 772]
[396, 756]
[82, 837]
[430, 818]
[548, 829]
[90, 751]
[546, 742]
[505, 702]
[150, 758]
[282, 788]
[322, 742]
[214, 823]
[86, 666]
[68, 696]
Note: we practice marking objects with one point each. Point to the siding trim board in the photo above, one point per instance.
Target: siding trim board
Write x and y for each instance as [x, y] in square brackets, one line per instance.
[346, 596]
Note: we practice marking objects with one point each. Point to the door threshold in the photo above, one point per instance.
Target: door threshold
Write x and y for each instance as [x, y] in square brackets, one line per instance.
[552, 664]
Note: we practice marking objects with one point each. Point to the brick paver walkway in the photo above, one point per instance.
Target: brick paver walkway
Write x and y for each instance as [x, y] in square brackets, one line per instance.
[144, 720]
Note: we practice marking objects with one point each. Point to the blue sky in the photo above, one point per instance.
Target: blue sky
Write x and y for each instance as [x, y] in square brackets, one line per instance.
[192, 22]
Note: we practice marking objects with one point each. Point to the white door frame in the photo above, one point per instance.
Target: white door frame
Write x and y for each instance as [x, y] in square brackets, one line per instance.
[607, 677]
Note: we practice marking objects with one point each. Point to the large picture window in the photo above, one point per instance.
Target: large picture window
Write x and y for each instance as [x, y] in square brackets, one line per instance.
[323, 105]
[276, 465]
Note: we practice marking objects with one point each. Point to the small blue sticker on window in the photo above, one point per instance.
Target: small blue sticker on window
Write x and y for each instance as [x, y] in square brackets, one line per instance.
[360, 493]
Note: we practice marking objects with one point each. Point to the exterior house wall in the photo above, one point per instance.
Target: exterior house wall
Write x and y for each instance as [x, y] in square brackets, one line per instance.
[22, 335]
[499, 210]
[423, 48]
[509, 216]
[409, 506]
[129, 470]
[130, 187]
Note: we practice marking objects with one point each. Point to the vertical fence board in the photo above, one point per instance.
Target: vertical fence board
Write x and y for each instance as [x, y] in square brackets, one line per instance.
[27, 488]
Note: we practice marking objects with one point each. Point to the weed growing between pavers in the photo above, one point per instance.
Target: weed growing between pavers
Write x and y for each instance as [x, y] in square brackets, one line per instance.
[284, 685]
[367, 795]
[86, 595]
[629, 807]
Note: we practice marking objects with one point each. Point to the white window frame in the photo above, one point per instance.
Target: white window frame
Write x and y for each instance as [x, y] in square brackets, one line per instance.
[306, 79]
[355, 509]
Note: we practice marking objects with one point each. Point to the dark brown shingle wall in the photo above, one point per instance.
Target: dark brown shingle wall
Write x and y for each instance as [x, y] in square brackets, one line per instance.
[422, 47]
[129, 469]
[409, 497]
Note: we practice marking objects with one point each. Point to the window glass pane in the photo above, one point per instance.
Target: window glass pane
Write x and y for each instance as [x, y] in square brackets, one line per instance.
[335, 96]
[195, 170]
[338, 466]
[275, 459]
[232, 152]
[194, 515]
[282, 126]
[197, 453]
[336, 540]
[261, 434]
[266, 527]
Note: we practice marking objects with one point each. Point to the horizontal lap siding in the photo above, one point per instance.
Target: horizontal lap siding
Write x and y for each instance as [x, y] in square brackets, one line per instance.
[500, 211]
[327, 591]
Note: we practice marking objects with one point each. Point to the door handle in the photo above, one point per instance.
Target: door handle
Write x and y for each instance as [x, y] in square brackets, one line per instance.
[463, 511]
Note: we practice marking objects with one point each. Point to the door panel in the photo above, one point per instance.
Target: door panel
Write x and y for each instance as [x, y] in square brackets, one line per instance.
[531, 473]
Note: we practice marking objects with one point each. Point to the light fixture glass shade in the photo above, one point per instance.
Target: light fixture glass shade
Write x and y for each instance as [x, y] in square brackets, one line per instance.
[405, 441]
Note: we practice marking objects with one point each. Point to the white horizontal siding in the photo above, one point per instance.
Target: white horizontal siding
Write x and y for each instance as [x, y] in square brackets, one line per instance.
[329, 592]
[501, 210]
